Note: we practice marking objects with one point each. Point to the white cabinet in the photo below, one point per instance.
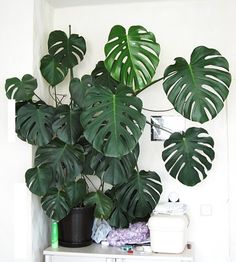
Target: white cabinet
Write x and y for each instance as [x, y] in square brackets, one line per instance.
[98, 253]
[75, 259]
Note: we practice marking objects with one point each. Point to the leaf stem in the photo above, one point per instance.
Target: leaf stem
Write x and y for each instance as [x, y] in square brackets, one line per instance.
[69, 30]
[160, 127]
[71, 68]
[38, 97]
[152, 83]
[71, 73]
[50, 93]
[90, 181]
[55, 93]
[158, 111]
[102, 185]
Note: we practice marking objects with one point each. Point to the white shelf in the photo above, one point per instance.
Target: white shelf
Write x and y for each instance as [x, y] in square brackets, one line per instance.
[98, 251]
[70, 3]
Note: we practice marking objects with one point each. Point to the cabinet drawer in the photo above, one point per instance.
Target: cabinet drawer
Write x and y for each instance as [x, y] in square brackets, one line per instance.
[76, 259]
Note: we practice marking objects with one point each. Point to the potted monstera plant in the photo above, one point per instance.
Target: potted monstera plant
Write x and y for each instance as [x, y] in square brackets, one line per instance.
[98, 130]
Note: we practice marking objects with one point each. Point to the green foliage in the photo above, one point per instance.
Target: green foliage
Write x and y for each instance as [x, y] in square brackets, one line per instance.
[21, 90]
[113, 170]
[140, 194]
[65, 160]
[113, 123]
[76, 192]
[188, 155]
[118, 217]
[78, 89]
[66, 124]
[97, 130]
[39, 179]
[34, 123]
[102, 77]
[66, 50]
[132, 58]
[55, 205]
[53, 70]
[198, 90]
[103, 204]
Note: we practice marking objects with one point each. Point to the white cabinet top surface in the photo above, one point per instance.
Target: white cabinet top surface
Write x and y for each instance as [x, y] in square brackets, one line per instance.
[69, 3]
[97, 250]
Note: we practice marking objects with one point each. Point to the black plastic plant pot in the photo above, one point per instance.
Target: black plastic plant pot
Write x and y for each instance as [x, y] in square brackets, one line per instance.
[75, 229]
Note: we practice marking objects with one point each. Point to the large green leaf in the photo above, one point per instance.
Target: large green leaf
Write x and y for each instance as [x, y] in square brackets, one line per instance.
[21, 90]
[140, 194]
[67, 125]
[113, 170]
[65, 160]
[55, 204]
[76, 192]
[188, 155]
[113, 123]
[38, 179]
[88, 154]
[53, 70]
[34, 123]
[104, 204]
[118, 218]
[78, 89]
[102, 77]
[198, 90]
[132, 58]
[65, 49]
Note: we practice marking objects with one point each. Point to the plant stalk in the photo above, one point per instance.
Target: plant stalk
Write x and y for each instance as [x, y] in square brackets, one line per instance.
[158, 111]
[102, 185]
[50, 93]
[90, 181]
[71, 68]
[55, 93]
[152, 83]
[38, 97]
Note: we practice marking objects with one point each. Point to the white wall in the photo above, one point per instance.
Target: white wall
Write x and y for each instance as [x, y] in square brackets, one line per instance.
[43, 17]
[179, 26]
[23, 228]
[16, 53]
[231, 133]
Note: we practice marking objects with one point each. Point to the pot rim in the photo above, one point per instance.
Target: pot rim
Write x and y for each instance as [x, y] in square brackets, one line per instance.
[83, 207]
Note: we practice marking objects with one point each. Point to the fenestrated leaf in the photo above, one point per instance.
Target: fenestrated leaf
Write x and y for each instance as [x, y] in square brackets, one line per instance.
[198, 90]
[102, 77]
[140, 194]
[65, 160]
[188, 155]
[38, 179]
[66, 50]
[78, 89]
[113, 123]
[76, 192]
[132, 58]
[55, 204]
[104, 204]
[112, 170]
[88, 154]
[53, 70]
[21, 90]
[67, 125]
[118, 217]
[34, 123]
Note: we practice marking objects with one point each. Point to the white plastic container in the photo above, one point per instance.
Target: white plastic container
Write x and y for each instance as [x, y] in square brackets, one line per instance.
[168, 233]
